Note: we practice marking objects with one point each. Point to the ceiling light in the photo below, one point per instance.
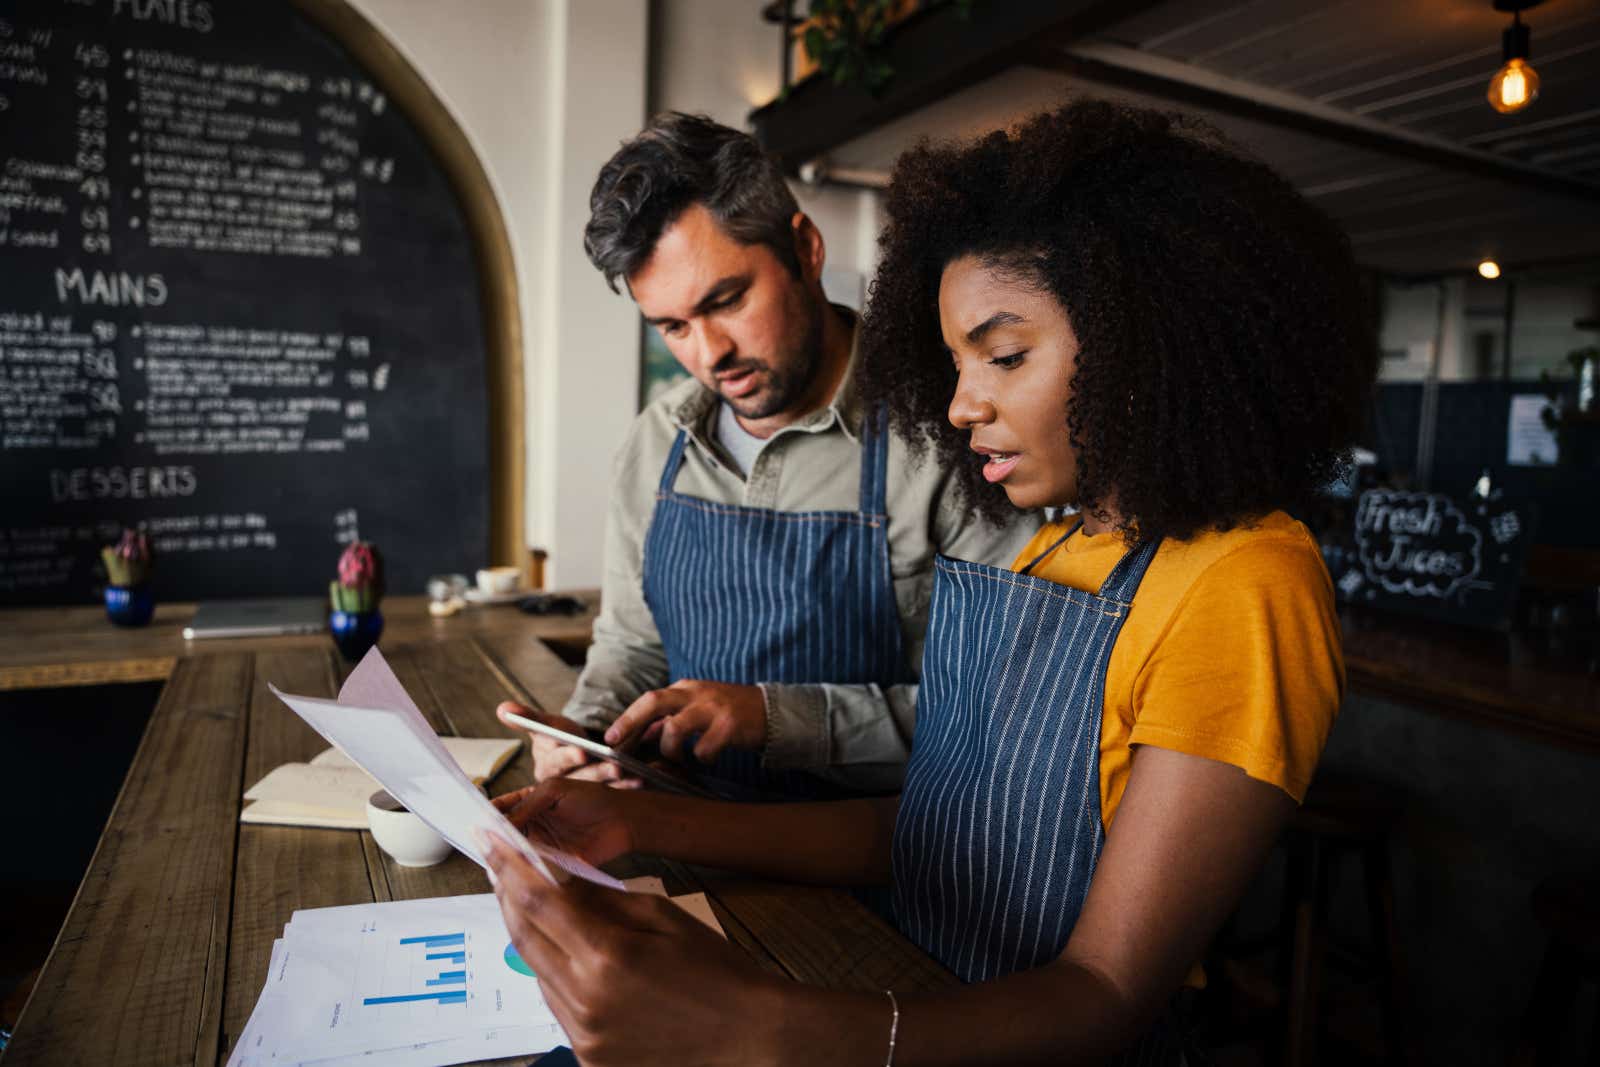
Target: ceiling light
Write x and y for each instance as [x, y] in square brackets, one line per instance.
[1516, 84]
[1489, 269]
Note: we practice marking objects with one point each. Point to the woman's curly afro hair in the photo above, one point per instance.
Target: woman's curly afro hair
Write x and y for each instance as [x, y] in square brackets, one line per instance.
[1226, 351]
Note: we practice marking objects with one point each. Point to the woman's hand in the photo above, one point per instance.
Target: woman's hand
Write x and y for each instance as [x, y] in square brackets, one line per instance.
[630, 977]
[583, 818]
[723, 714]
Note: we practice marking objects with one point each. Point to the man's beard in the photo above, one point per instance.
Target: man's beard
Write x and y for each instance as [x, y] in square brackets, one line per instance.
[784, 387]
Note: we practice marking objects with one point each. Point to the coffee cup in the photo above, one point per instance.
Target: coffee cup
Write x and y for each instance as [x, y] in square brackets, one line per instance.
[408, 840]
[498, 579]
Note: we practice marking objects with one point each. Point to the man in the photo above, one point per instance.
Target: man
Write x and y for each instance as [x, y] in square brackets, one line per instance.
[769, 546]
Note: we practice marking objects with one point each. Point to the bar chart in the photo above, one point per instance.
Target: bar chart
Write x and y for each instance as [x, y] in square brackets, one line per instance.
[440, 951]
[397, 976]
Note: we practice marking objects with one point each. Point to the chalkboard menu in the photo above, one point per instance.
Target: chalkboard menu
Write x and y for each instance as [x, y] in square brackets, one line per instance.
[1433, 554]
[238, 308]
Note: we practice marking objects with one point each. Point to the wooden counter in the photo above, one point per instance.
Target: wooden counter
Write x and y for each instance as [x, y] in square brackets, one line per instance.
[165, 949]
[47, 647]
[1510, 681]
[1507, 681]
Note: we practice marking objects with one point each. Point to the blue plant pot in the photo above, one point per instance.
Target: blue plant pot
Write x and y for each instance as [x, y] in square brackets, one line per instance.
[355, 631]
[129, 605]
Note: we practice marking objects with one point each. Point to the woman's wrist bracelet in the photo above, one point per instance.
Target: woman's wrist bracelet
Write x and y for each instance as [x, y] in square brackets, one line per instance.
[894, 1025]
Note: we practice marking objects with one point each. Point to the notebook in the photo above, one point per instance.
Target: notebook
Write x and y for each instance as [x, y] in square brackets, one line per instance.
[331, 791]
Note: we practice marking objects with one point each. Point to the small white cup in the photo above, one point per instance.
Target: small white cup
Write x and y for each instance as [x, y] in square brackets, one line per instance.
[498, 579]
[408, 840]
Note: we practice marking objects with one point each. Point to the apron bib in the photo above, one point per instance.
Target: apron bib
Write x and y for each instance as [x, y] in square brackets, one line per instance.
[999, 827]
[748, 595]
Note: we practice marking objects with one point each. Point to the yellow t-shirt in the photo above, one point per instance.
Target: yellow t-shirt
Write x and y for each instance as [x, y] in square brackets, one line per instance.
[1231, 650]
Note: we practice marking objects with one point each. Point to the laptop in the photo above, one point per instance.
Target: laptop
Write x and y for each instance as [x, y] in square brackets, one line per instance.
[267, 617]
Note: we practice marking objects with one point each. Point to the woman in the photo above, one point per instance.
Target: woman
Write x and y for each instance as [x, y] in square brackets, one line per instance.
[1103, 309]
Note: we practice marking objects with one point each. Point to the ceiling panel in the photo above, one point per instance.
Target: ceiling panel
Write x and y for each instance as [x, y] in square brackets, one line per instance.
[1421, 66]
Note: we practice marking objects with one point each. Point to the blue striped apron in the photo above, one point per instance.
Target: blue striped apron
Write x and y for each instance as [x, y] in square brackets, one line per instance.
[999, 827]
[748, 595]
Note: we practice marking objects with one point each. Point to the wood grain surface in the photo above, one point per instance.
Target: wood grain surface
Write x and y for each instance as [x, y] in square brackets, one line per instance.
[135, 974]
[165, 949]
[1510, 681]
[47, 647]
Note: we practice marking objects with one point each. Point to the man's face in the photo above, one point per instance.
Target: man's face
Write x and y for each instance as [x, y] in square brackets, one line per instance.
[732, 315]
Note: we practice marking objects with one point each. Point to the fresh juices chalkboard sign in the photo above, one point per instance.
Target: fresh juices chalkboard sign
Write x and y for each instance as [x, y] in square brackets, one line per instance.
[1433, 554]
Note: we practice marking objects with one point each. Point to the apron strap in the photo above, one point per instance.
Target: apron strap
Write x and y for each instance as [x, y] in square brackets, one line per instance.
[1124, 579]
[875, 463]
[669, 470]
[1057, 543]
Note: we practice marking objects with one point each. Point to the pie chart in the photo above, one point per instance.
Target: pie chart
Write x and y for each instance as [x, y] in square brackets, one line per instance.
[516, 963]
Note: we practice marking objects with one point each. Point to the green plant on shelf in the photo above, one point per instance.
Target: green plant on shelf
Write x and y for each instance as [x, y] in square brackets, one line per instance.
[844, 38]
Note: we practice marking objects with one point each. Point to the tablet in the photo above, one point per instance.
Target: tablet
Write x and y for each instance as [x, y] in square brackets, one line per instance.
[258, 618]
[636, 767]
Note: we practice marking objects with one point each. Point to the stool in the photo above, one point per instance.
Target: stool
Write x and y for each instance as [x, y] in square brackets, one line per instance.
[1568, 907]
[1341, 815]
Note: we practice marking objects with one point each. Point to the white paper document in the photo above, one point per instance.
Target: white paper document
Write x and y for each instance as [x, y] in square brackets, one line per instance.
[1529, 442]
[375, 723]
[418, 983]
[409, 983]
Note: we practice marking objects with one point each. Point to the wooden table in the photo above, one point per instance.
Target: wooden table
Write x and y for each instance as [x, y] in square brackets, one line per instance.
[165, 949]
[49, 647]
[1505, 680]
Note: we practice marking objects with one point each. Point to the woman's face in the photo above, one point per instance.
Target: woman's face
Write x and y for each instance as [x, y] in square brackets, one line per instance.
[1014, 353]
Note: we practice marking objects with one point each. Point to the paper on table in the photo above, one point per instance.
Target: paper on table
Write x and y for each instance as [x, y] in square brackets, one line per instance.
[359, 977]
[317, 1004]
[248, 1051]
[698, 905]
[375, 723]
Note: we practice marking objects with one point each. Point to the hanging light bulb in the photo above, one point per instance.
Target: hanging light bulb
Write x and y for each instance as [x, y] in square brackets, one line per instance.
[1489, 269]
[1516, 84]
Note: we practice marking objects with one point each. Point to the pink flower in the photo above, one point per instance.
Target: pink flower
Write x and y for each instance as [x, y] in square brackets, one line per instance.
[358, 566]
[134, 547]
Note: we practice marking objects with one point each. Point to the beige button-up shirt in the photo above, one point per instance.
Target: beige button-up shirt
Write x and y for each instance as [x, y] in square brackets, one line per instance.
[855, 735]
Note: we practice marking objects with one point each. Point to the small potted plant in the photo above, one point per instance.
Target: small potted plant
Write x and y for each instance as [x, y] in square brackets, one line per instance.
[355, 620]
[128, 564]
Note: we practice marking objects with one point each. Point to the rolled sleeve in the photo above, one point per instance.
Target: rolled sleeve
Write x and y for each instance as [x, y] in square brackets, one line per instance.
[627, 658]
[814, 727]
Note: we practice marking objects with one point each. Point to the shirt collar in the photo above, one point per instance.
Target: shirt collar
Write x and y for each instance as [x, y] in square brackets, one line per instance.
[698, 411]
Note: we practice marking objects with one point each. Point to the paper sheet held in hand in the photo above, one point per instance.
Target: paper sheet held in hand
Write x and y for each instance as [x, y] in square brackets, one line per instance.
[375, 723]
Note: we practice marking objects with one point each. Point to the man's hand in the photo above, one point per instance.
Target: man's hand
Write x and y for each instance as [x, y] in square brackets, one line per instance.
[552, 759]
[724, 716]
